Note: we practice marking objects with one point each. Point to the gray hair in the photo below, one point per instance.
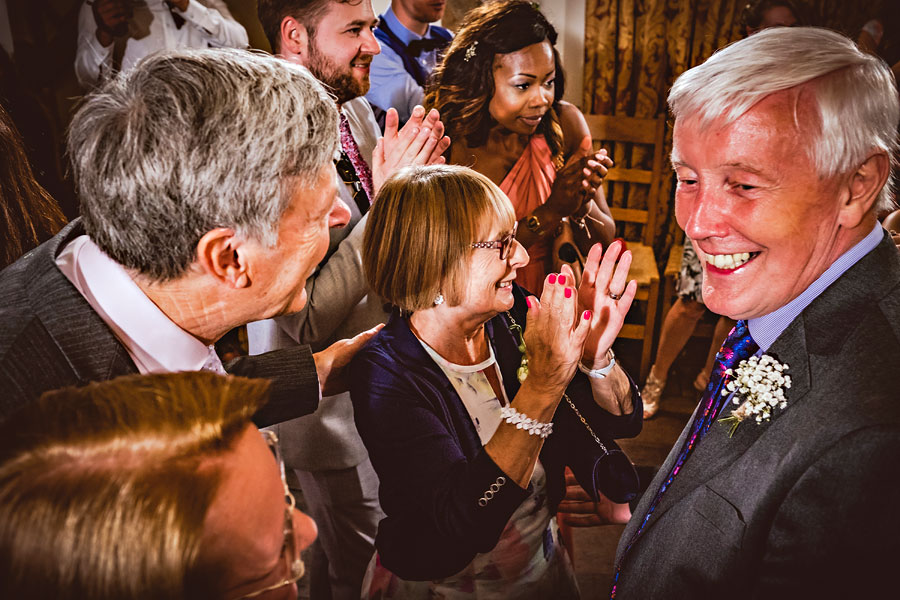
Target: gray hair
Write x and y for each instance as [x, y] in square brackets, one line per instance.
[194, 140]
[855, 93]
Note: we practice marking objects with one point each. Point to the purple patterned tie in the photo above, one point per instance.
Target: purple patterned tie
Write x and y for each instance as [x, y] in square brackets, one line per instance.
[348, 145]
[738, 346]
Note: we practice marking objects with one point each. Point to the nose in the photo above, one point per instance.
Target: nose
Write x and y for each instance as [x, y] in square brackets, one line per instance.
[305, 530]
[369, 43]
[518, 258]
[543, 96]
[702, 215]
[340, 214]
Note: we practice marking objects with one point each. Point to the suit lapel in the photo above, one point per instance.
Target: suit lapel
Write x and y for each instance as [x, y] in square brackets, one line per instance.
[87, 343]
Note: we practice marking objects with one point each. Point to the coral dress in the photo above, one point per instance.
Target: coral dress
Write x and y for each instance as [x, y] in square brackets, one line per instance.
[528, 186]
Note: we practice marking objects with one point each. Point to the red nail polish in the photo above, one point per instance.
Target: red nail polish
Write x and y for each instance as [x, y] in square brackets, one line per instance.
[562, 280]
[528, 302]
[568, 292]
[587, 315]
[552, 278]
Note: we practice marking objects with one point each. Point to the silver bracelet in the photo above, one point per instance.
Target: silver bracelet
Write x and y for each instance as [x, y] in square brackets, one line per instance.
[599, 373]
[514, 417]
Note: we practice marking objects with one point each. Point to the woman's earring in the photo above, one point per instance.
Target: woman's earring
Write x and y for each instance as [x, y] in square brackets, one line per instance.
[439, 299]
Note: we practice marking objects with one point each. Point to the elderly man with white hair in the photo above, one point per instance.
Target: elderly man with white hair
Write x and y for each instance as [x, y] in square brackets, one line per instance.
[784, 482]
[207, 192]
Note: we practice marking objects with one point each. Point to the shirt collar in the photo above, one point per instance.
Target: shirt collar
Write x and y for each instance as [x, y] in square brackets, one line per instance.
[400, 30]
[154, 342]
[766, 329]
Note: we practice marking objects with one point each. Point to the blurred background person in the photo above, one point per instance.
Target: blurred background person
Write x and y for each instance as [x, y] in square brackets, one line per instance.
[411, 46]
[461, 415]
[762, 14]
[499, 91]
[114, 34]
[29, 215]
[688, 309]
[147, 486]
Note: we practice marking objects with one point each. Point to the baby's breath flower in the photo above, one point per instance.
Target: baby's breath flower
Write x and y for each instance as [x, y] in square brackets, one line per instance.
[760, 382]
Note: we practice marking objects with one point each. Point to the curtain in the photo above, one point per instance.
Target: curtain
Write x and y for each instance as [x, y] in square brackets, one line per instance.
[635, 49]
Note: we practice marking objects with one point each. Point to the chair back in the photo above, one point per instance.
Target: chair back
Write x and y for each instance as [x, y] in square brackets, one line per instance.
[633, 184]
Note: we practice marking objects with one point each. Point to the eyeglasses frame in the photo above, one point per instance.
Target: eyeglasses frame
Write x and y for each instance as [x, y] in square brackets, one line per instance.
[294, 565]
[504, 244]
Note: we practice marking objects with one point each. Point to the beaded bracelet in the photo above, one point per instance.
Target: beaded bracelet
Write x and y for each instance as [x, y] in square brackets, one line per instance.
[533, 427]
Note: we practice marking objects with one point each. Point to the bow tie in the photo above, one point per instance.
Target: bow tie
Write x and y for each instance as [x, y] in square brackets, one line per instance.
[417, 47]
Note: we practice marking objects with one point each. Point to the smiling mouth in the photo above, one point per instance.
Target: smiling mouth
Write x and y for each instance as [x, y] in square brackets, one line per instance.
[729, 262]
[505, 284]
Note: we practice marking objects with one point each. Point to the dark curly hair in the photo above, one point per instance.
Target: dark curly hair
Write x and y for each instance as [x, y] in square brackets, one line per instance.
[461, 90]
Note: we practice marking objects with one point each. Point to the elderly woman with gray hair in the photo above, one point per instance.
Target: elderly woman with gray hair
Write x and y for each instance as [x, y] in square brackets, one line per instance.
[475, 396]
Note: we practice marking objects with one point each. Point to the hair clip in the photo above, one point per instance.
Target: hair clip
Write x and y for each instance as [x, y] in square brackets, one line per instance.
[470, 52]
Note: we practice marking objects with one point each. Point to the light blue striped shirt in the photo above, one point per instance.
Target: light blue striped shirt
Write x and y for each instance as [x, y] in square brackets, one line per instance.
[766, 329]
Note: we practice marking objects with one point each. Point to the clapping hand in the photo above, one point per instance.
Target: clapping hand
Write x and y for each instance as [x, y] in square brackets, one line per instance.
[556, 333]
[421, 141]
[577, 182]
[606, 291]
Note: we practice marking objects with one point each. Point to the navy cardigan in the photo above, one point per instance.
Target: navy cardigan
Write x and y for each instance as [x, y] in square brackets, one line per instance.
[430, 461]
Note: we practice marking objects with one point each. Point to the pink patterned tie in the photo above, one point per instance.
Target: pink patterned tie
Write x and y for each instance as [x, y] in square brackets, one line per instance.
[348, 145]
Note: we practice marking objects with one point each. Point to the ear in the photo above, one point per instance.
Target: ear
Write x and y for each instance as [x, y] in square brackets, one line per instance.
[221, 255]
[862, 189]
[294, 40]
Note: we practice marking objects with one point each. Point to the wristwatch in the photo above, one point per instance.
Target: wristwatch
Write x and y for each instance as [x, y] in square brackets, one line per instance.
[600, 373]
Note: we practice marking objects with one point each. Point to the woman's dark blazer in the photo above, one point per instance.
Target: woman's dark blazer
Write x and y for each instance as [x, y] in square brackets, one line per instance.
[431, 464]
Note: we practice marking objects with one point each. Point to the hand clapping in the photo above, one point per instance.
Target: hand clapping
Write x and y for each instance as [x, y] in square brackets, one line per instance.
[555, 333]
[421, 141]
[577, 182]
[606, 291]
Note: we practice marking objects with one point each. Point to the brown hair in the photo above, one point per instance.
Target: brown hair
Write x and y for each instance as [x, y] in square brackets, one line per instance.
[462, 89]
[307, 12]
[101, 494]
[28, 214]
[421, 229]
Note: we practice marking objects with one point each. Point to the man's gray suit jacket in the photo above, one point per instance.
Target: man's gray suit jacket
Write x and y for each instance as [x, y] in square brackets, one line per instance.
[805, 505]
[339, 306]
[50, 337]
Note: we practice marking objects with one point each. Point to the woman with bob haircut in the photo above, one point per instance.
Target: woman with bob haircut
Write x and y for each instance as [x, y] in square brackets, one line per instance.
[475, 397]
[499, 90]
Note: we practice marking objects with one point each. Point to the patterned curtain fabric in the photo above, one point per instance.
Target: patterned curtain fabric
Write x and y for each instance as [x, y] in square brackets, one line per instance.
[635, 49]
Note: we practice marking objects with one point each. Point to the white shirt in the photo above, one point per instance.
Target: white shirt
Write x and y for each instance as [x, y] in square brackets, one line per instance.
[154, 342]
[152, 28]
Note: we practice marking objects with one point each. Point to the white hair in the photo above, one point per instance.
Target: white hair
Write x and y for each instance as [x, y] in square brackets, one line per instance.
[192, 140]
[855, 93]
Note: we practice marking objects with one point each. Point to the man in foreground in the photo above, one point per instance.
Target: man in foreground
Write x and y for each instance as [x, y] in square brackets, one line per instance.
[783, 148]
[207, 191]
[147, 486]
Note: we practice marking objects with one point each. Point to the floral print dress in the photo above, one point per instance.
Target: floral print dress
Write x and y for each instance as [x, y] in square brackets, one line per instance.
[529, 561]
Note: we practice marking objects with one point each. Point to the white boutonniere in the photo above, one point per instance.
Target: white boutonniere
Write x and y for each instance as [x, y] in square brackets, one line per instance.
[760, 382]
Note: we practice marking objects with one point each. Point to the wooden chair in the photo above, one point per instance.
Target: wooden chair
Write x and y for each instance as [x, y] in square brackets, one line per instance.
[636, 225]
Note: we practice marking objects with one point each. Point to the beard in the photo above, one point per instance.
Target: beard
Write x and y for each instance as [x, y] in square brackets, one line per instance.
[341, 80]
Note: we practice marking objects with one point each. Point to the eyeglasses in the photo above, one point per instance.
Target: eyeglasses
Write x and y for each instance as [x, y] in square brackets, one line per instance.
[293, 566]
[503, 244]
